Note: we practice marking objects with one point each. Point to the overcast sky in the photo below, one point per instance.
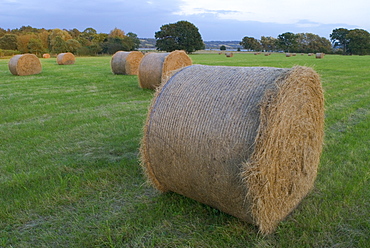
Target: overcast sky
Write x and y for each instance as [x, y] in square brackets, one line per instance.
[216, 19]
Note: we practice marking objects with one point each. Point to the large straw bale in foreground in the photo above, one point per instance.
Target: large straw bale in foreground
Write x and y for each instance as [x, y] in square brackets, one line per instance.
[66, 59]
[25, 64]
[126, 63]
[155, 68]
[244, 140]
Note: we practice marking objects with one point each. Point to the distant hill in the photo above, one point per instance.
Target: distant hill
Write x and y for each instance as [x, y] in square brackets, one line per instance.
[150, 43]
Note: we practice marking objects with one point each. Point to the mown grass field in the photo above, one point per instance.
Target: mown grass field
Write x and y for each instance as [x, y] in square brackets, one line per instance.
[70, 174]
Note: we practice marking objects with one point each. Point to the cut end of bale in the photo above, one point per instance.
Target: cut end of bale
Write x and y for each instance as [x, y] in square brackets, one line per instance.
[66, 59]
[156, 68]
[126, 63]
[283, 167]
[25, 64]
[244, 140]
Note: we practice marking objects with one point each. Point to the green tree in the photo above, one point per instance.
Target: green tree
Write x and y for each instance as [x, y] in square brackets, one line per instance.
[72, 45]
[223, 48]
[312, 43]
[182, 35]
[59, 45]
[251, 43]
[339, 39]
[287, 42]
[62, 34]
[88, 34]
[8, 42]
[35, 46]
[2, 32]
[358, 41]
[268, 43]
[135, 40]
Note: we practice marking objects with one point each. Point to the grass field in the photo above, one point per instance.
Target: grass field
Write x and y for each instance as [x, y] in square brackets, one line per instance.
[70, 175]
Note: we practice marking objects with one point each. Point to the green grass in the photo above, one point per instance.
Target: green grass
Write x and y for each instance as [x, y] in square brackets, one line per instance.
[70, 175]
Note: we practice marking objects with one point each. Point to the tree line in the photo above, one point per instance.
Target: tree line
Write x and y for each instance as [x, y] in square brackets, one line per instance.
[88, 42]
[342, 41]
[182, 35]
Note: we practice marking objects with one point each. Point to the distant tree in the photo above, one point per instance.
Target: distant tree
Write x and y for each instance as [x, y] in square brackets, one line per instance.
[287, 42]
[268, 43]
[339, 39]
[312, 43]
[28, 29]
[72, 45]
[358, 41]
[251, 43]
[117, 33]
[8, 42]
[112, 45]
[135, 40]
[88, 34]
[59, 45]
[35, 46]
[44, 38]
[62, 34]
[75, 33]
[182, 35]
[223, 48]
[2, 32]
[23, 40]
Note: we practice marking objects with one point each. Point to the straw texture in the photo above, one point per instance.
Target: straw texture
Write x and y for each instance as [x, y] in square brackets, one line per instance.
[126, 63]
[155, 68]
[320, 55]
[66, 59]
[25, 64]
[246, 141]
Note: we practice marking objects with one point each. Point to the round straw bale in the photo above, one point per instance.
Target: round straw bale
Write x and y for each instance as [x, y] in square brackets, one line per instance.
[288, 55]
[126, 63]
[25, 64]
[246, 141]
[155, 68]
[229, 55]
[66, 59]
[320, 55]
[46, 55]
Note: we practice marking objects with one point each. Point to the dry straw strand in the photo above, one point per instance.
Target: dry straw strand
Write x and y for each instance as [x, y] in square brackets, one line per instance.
[66, 59]
[126, 63]
[244, 140]
[25, 64]
[155, 68]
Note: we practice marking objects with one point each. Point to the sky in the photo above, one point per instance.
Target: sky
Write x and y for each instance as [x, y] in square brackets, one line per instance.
[217, 20]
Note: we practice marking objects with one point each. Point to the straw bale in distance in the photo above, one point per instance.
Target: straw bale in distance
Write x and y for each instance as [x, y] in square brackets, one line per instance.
[25, 64]
[126, 63]
[155, 68]
[320, 55]
[46, 56]
[244, 140]
[288, 55]
[66, 59]
[229, 55]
